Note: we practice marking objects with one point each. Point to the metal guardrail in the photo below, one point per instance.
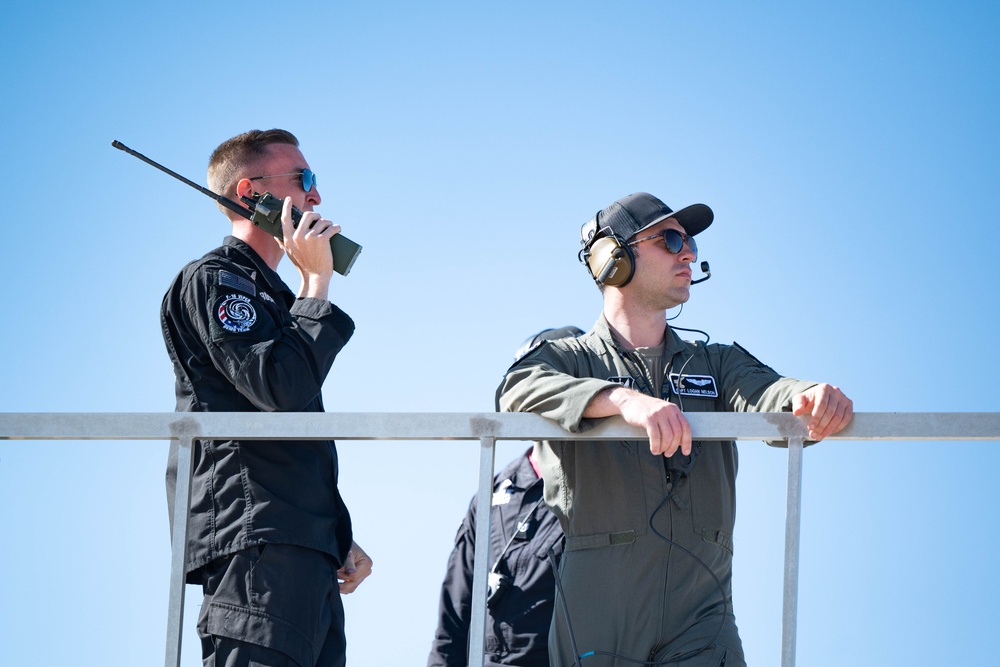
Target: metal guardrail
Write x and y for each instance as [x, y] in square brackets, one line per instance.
[487, 428]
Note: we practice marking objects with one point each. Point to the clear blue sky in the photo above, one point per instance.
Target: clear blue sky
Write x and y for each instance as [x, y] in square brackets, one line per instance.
[851, 154]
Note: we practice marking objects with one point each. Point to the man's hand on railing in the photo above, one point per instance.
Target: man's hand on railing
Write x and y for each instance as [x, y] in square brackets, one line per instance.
[355, 570]
[829, 408]
[667, 427]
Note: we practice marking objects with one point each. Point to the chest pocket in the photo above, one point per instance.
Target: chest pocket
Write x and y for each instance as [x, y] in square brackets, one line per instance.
[694, 384]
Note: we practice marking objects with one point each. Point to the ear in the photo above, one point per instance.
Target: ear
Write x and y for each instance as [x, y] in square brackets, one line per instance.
[244, 188]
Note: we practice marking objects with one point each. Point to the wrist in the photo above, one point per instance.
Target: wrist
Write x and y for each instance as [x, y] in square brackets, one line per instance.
[315, 286]
[620, 396]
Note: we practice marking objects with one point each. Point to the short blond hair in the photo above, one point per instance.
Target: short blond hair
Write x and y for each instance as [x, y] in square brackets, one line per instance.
[234, 158]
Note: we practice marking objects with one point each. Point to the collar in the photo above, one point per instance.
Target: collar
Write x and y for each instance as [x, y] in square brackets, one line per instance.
[520, 473]
[273, 280]
[672, 343]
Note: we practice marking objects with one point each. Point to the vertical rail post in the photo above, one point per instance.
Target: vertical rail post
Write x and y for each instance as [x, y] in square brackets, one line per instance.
[484, 503]
[793, 520]
[178, 549]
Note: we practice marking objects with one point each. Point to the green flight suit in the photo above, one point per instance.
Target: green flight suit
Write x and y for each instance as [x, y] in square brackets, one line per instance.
[630, 592]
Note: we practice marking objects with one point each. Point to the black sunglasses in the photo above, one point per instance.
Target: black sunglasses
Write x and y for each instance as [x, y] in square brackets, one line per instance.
[308, 178]
[673, 239]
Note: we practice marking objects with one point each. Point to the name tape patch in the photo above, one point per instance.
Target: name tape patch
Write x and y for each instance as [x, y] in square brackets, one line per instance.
[694, 385]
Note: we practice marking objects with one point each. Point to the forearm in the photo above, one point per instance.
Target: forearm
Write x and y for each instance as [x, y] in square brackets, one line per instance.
[607, 403]
[556, 396]
[283, 368]
[667, 428]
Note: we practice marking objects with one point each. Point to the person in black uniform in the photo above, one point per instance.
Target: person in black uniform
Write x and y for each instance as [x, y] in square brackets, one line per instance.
[269, 538]
[519, 611]
[522, 581]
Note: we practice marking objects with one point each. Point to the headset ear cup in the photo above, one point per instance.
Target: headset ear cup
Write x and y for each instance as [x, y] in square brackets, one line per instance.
[610, 262]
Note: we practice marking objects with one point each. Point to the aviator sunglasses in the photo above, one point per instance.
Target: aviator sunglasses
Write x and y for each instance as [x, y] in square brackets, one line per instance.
[308, 178]
[673, 239]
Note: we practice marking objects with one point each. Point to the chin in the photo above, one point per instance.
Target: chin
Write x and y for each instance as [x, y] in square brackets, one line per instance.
[680, 297]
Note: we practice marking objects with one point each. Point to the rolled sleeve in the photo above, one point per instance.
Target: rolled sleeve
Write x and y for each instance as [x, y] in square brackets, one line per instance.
[543, 383]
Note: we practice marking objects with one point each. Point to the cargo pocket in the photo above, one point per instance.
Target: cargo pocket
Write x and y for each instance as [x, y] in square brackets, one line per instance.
[727, 658]
[710, 491]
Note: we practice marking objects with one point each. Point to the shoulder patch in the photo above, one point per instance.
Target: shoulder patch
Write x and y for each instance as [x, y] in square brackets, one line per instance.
[235, 313]
[229, 279]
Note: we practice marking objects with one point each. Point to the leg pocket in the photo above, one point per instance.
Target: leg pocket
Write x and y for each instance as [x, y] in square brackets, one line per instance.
[283, 598]
[730, 658]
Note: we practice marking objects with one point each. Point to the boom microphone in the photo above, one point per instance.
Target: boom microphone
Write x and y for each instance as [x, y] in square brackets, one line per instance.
[706, 271]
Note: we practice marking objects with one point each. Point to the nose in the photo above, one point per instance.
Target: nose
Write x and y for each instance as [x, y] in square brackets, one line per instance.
[687, 254]
[312, 197]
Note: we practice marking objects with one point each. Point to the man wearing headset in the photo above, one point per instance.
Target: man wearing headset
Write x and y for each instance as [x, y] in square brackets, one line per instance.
[269, 538]
[646, 572]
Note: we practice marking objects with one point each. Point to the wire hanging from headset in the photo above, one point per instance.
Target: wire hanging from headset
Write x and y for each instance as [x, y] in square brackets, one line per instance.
[703, 333]
[578, 657]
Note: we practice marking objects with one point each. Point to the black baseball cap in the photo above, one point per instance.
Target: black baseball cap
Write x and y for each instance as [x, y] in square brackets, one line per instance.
[630, 215]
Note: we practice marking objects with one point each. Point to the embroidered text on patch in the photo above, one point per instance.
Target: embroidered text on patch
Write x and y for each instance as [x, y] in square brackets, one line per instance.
[694, 385]
[236, 314]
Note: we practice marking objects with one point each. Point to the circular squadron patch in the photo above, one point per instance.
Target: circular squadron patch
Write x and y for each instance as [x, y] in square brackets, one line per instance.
[236, 313]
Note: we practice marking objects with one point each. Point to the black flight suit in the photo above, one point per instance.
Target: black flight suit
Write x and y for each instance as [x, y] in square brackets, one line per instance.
[517, 624]
[240, 341]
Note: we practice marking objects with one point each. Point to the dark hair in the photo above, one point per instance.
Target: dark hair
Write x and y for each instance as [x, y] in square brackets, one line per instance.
[234, 158]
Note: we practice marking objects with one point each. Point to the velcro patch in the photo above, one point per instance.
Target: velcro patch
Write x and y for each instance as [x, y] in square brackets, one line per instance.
[235, 313]
[228, 279]
[702, 386]
[502, 495]
[626, 381]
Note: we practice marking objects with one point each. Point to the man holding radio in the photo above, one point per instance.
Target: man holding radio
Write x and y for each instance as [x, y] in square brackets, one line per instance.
[646, 572]
[269, 538]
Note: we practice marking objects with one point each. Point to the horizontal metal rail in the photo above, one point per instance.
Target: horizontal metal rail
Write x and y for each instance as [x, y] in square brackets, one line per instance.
[470, 426]
[487, 428]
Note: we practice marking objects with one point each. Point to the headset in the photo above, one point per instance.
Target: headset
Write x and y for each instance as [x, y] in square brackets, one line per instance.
[610, 259]
[607, 256]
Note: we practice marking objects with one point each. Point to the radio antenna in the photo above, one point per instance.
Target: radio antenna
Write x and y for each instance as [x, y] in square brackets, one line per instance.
[224, 201]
